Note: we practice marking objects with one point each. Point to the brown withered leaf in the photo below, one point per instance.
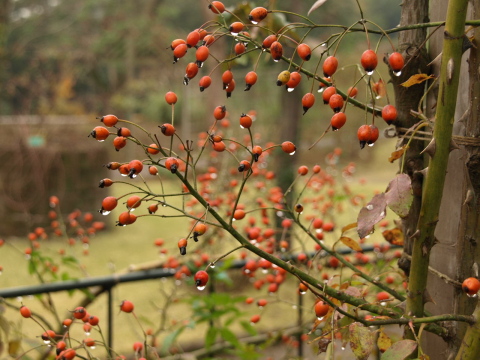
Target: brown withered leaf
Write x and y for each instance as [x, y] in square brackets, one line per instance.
[394, 236]
[397, 154]
[371, 214]
[399, 350]
[352, 244]
[399, 195]
[416, 79]
[323, 344]
[379, 88]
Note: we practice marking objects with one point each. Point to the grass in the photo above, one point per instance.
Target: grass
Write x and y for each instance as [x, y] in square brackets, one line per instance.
[124, 248]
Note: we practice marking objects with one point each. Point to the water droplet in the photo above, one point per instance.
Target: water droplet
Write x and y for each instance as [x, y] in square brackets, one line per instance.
[378, 97]
[92, 347]
[264, 50]
[247, 271]
[335, 129]
[241, 127]
[87, 333]
[320, 90]
[290, 89]
[397, 73]
[276, 60]
[254, 22]
[324, 44]
[133, 176]
[234, 33]
[28, 257]
[371, 144]
[200, 65]
[370, 72]
[343, 348]
[212, 266]
[46, 342]
[85, 246]
[201, 287]
[100, 140]
[302, 292]
[382, 213]
[369, 207]
[104, 212]
[293, 152]
[124, 174]
[185, 81]
[320, 318]
[164, 205]
[252, 323]
[472, 296]
[383, 303]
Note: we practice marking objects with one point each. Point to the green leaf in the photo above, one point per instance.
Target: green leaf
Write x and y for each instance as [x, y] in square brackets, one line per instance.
[170, 339]
[210, 337]
[400, 350]
[361, 341]
[248, 328]
[229, 336]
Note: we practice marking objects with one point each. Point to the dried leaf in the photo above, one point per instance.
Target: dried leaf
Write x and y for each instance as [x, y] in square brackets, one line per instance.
[416, 79]
[13, 347]
[394, 236]
[400, 350]
[397, 154]
[348, 227]
[361, 341]
[323, 344]
[399, 195]
[316, 5]
[352, 244]
[379, 88]
[353, 291]
[371, 214]
[383, 341]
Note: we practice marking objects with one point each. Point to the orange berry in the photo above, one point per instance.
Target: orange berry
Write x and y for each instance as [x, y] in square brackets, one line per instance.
[330, 66]
[217, 7]
[369, 61]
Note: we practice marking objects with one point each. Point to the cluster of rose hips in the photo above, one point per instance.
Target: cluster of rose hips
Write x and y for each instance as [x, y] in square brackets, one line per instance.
[203, 39]
[63, 344]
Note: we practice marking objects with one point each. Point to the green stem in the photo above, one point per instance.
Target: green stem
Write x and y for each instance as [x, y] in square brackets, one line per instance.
[433, 189]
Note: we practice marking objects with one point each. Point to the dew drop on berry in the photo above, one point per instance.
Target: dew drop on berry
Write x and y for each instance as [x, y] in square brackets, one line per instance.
[370, 207]
[254, 22]
[397, 73]
[371, 145]
[370, 72]
[290, 89]
[383, 303]
[320, 318]
[212, 266]
[234, 33]
[46, 342]
[133, 176]
[302, 292]
[293, 152]
[201, 287]
[320, 90]
[104, 212]
[472, 295]
[87, 333]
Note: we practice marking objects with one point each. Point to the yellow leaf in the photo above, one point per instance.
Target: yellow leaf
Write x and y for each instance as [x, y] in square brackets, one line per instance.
[383, 341]
[397, 154]
[349, 226]
[352, 244]
[416, 79]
